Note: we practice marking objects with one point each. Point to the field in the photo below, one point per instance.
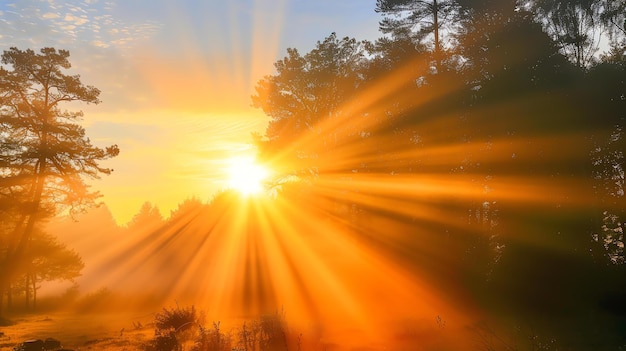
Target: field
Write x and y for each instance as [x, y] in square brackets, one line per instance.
[80, 331]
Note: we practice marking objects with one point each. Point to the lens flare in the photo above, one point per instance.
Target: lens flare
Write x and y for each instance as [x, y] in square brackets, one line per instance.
[246, 176]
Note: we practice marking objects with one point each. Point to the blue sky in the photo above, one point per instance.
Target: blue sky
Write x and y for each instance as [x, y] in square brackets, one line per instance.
[176, 78]
[237, 39]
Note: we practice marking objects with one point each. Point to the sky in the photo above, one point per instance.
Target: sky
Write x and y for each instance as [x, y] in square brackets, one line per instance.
[176, 79]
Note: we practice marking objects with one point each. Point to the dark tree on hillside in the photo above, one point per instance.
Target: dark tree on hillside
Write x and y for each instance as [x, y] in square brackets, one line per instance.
[45, 155]
[507, 54]
[424, 18]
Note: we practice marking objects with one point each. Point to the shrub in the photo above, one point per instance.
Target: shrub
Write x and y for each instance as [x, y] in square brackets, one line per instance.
[212, 339]
[173, 327]
[165, 341]
[177, 319]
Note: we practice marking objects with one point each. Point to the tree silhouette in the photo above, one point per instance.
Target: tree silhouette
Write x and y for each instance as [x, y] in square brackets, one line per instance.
[148, 218]
[187, 210]
[420, 17]
[614, 18]
[48, 260]
[46, 155]
[306, 94]
[575, 25]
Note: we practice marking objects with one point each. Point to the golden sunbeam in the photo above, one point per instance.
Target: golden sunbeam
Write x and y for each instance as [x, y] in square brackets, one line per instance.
[406, 194]
[352, 245]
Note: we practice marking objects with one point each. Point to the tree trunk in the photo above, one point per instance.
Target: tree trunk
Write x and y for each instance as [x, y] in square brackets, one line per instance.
[27, 293]
[437, 44]
[8, 266]
[2, 290]
[9, 297]
[33, 279]
[15, 259]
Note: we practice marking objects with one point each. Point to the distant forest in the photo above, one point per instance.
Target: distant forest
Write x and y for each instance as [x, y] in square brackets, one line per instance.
[478, 142]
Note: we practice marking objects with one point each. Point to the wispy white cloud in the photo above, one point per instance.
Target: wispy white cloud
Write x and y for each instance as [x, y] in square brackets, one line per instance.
[77, 9]
[100, 44]
[68, 27]
[88, 22]
[75, 19]
[50, 15]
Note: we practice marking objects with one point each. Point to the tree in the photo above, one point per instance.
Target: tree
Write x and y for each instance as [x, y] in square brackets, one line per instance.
[310, 96]
[46, 156]
[149, 217]
[614, 17]
[606, 101]
[576, 25]
[186, 211]
[48, 260]
[429, 17]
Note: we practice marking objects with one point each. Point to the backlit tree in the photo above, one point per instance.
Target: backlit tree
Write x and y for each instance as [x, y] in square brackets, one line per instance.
[45, 154]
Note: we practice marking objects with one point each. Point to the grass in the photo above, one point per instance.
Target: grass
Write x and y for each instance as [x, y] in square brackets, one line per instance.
[79, 331]
[125, 331]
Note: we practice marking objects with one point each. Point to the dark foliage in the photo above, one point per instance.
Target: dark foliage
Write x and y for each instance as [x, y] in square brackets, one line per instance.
[176, 318]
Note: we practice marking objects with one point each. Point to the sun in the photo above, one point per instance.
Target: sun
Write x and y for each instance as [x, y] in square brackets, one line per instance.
[246, 176]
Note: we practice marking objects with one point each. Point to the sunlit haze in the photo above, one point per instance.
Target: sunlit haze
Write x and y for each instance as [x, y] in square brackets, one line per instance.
[289, 175]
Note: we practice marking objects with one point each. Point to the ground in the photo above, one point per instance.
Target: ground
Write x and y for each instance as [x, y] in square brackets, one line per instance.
[80, 331]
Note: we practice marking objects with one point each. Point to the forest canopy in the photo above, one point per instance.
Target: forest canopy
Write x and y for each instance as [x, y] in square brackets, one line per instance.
[488, 136]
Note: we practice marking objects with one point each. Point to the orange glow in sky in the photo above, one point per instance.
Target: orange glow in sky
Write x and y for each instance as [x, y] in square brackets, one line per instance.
[175, 81]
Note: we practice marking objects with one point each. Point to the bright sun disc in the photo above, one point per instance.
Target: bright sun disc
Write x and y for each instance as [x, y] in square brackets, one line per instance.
[246, 176]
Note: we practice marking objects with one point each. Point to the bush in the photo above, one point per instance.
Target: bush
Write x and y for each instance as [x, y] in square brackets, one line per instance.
[164, 342]
[212, 339]
[182, 329]
[173, 327]
[177, 319]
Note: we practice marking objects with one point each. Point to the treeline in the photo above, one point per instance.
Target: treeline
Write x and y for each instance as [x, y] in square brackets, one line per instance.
[95, 266]
[138, 264]
[480, 143]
